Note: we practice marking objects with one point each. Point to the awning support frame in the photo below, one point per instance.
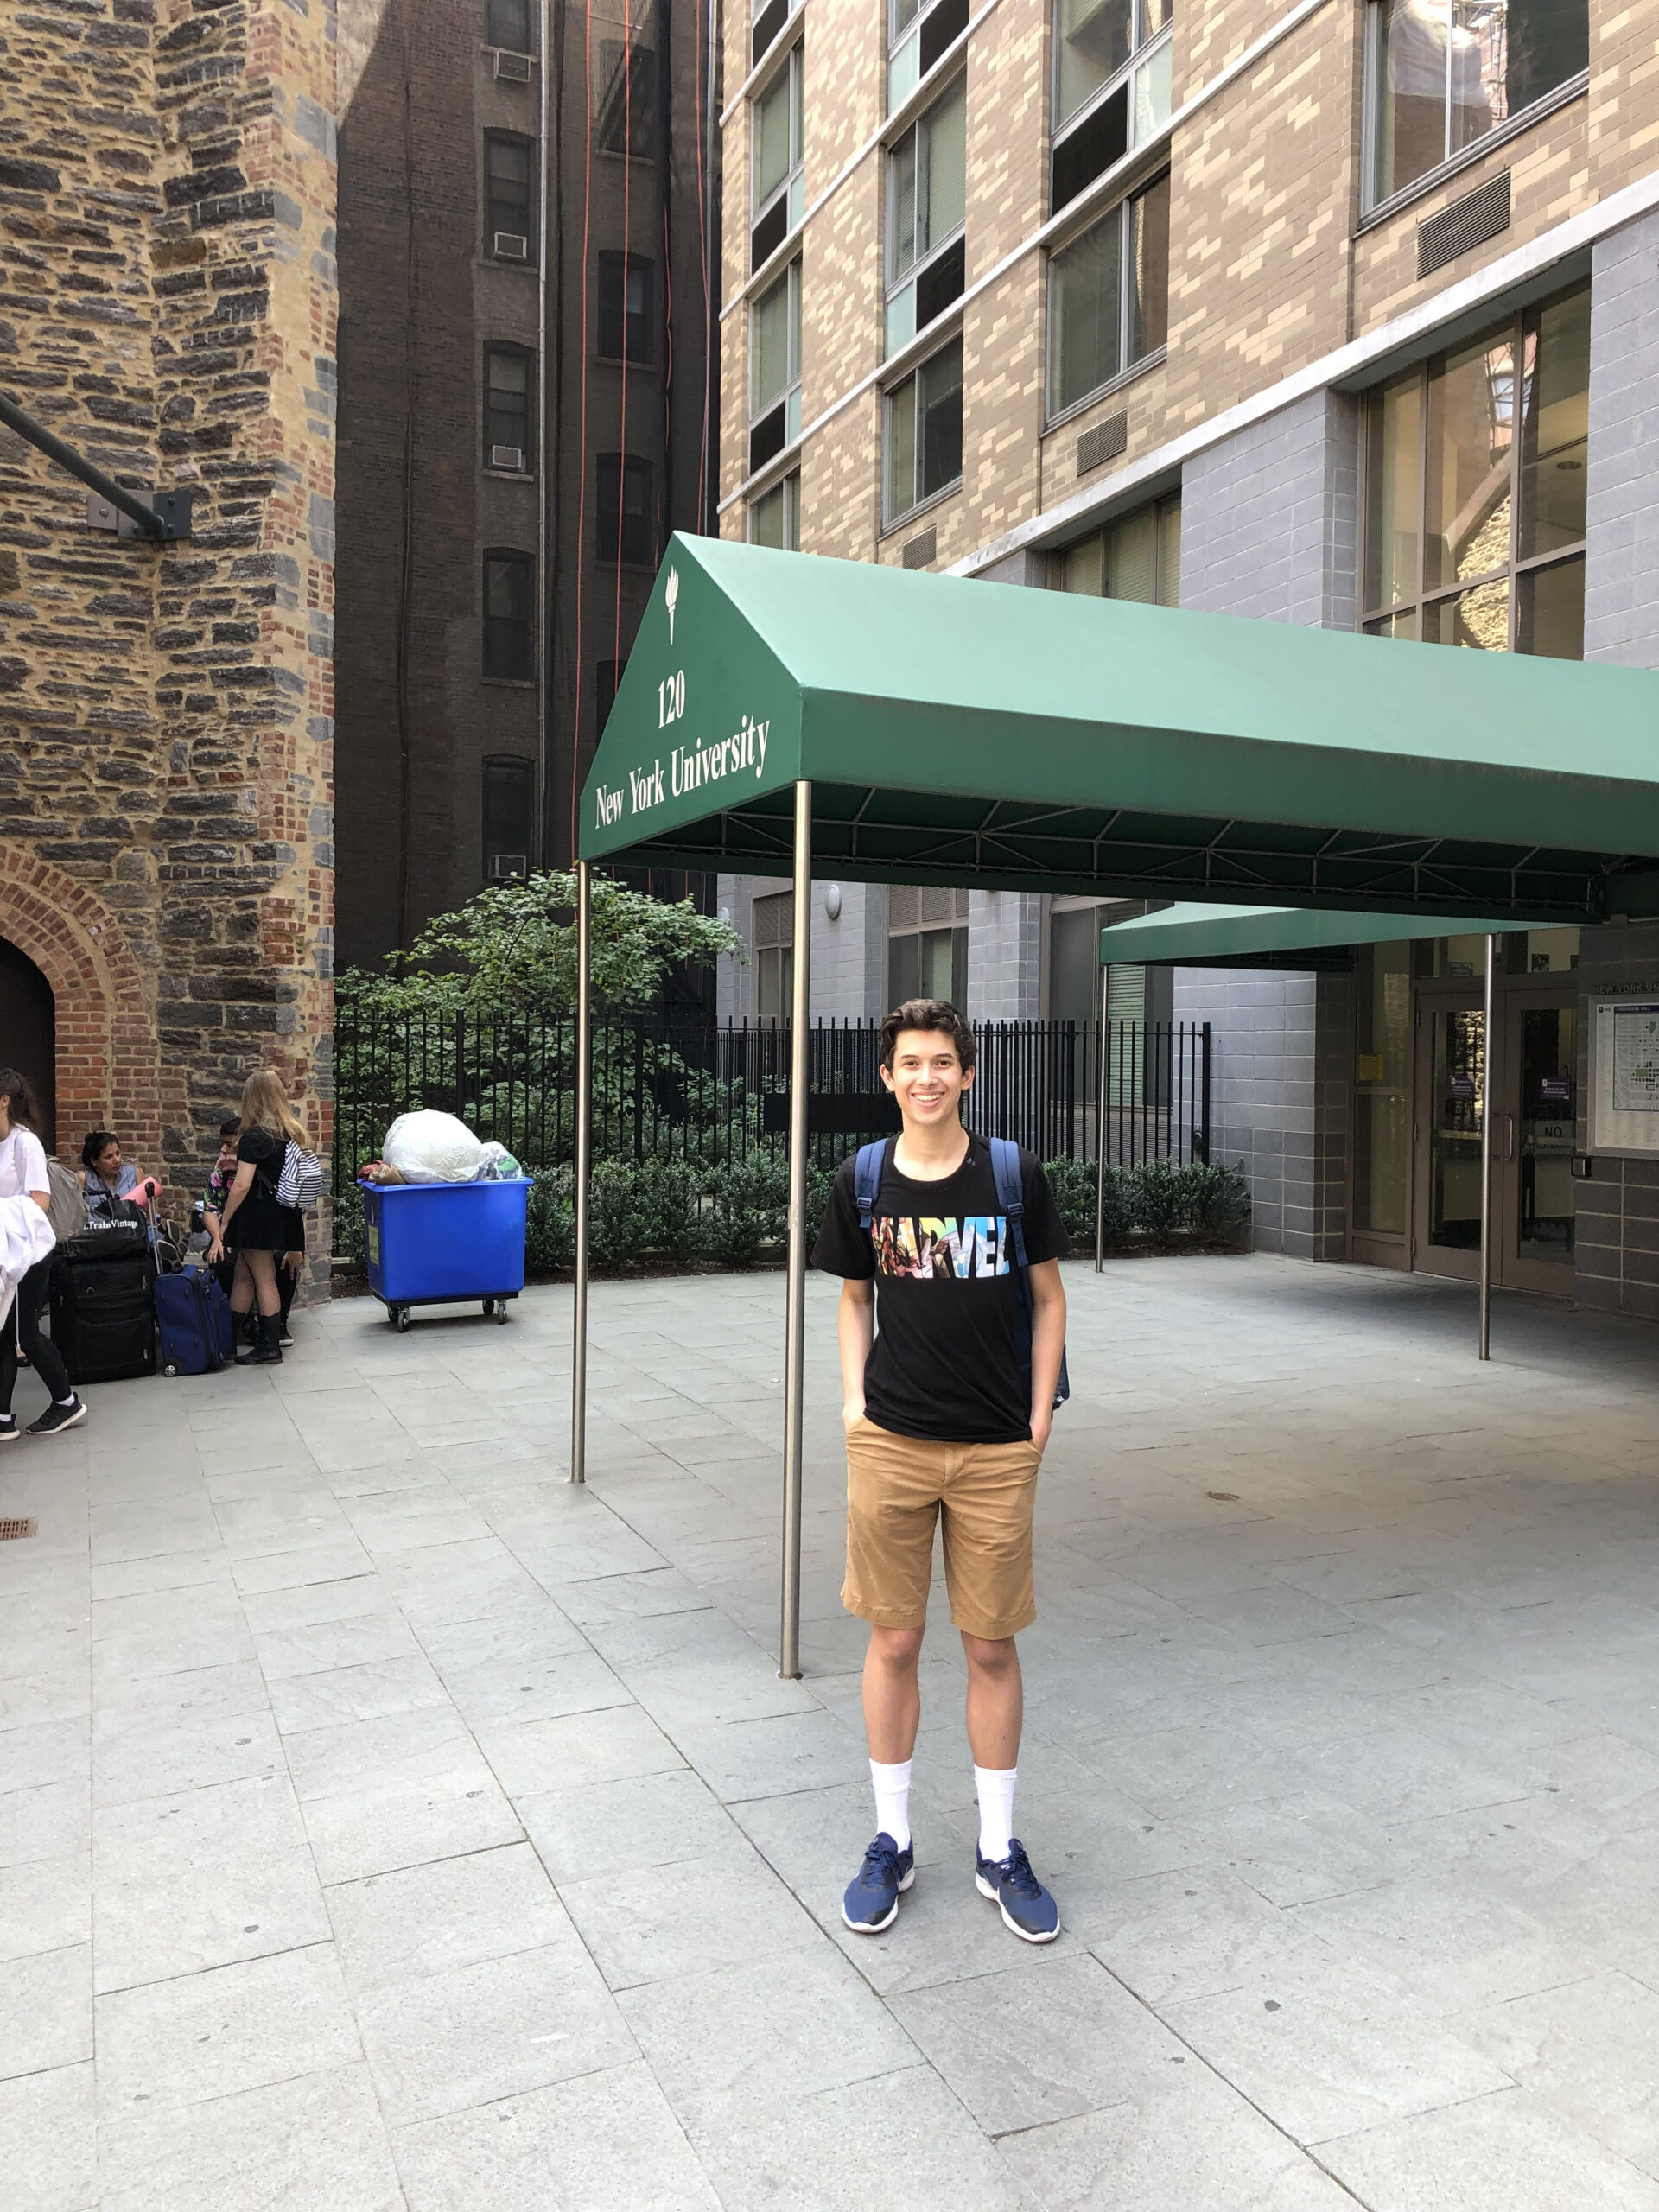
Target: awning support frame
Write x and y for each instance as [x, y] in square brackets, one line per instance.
[800, 1080]
[584, 1042]
[1488, 1071]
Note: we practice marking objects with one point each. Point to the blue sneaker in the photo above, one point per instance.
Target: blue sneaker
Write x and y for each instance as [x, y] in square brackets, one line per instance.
[872, 1900]
[1027, 1909]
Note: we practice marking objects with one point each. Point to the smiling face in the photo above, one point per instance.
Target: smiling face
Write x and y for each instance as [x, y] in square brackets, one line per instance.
[927, 1077]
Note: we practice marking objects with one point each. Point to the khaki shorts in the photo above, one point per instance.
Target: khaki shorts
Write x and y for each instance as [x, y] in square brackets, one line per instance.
[897, 1488]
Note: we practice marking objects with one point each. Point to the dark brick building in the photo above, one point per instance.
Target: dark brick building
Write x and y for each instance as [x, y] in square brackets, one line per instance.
[524, 416]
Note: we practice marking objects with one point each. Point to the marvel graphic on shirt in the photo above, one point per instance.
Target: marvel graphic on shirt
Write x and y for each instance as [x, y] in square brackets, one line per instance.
[907, 1244]
[947, 1362]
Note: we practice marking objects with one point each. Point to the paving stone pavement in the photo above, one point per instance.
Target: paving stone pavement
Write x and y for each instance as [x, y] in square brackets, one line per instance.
[385, 1823]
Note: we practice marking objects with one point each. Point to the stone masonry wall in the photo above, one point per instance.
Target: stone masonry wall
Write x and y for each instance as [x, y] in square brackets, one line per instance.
[167, 305]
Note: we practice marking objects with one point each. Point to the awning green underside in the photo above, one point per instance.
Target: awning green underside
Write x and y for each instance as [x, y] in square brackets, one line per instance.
[1193, 934]
[1015, 740]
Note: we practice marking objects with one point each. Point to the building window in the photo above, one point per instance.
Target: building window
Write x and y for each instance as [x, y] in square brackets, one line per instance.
[772, 943]
[927, 945]
[1475, 490]
[1443, 74]
[625, 98]
[1112, 86]
[509, 210]
[775, 517]
[770, 18]
[624, 290]
[1138, 557]
[509, 600]
[1109, 298]
[1382, 1087]
[624, 511]
[507, 787]
[609, 678]
[507, 414]
[919, 31]
[507, 25]
[775, 369]
[927, 192]
[923, 439]
[776, 153]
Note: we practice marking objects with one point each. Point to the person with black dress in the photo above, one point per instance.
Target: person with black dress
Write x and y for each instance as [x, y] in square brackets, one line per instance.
[254, 1226]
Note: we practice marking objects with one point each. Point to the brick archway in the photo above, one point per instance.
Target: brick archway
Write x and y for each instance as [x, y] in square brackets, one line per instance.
[108, 1060]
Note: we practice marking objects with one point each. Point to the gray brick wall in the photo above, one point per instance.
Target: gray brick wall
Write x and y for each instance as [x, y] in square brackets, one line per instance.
[1005, 956]
[1269, 519]
[1621, 609]
[848, 954]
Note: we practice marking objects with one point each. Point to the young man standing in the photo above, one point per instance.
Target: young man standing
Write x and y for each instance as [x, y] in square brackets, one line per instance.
[947, 1407]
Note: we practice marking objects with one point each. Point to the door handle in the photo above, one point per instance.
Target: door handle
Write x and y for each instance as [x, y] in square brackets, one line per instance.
[1509, 1155]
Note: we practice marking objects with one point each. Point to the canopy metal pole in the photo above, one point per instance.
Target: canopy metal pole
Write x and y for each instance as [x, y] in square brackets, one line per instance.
[1486, 1085]
[800, 1077]
[1100, 1121]
[584, 1168]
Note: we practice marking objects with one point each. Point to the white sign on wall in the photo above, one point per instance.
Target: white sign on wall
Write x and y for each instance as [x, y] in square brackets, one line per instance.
[1624, 1077]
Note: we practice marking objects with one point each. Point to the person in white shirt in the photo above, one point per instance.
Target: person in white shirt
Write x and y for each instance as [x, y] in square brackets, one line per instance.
[23, 1173]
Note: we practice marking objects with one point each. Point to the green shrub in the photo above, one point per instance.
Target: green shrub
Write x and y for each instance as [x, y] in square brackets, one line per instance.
[1216, 1200]
[550, 1221]
[1071, 1184]
[1117, 1207]
[1156, 1198]
[750, 1210]
[644, 1207]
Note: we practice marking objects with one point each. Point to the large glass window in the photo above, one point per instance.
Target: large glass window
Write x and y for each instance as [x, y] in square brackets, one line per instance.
[509, 209]
[1112, 84]
[778, 174]
[1475, 490]
[508, 24]
[774, 941]
[1138, 557]
[927, 194]
[1109, 298]
[1381, 1078]
[924, 432]
[509, 597]
[623, 511]
[507, 416]
[775, 517]
[1442, 74]
[768, 17]
[775, 368]
[919, 31]
[507, 787]
[624, 97]
[927, 945]
[624, 293]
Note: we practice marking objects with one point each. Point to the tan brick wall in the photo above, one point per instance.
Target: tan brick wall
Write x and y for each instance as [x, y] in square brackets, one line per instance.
[1266, 272]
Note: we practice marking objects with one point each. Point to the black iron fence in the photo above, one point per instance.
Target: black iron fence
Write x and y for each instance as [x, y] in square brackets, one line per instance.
[709, 1094]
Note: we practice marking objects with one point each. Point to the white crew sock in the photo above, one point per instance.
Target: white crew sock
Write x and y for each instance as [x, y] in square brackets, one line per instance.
[892, 1787]
[994, 1787]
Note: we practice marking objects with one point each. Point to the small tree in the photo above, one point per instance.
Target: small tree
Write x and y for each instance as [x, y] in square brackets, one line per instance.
[512, 951]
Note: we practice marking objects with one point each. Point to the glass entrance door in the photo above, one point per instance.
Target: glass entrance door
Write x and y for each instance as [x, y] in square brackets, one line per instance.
[1533, 1080]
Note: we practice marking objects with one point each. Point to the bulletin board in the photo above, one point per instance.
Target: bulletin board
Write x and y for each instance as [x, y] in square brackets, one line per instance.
[1624, 1077]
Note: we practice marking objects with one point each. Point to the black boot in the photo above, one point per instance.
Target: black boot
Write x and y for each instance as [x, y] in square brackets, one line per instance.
[267, 1349]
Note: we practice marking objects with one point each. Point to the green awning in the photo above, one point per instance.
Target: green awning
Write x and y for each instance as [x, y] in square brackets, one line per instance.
[960, 732]
[1192, 934]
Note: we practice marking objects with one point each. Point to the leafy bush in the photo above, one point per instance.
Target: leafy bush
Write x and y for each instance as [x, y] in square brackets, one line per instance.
[1157, 1198]
[644, 1207]
[1071, 1184]
[1218, 1200]
[551, 1223]
[750, 1208]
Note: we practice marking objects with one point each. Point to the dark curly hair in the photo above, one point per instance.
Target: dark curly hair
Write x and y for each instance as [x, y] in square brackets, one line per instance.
[19, 1099]
[937, 1015]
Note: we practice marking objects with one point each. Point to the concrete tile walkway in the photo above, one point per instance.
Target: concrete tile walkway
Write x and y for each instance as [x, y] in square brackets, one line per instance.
[383, 1823]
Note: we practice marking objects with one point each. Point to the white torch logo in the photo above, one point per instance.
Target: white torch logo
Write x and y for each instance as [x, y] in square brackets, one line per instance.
[670, 595]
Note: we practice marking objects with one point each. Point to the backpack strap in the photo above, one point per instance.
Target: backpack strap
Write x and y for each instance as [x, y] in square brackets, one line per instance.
[1011, 1197]
[868, 1170]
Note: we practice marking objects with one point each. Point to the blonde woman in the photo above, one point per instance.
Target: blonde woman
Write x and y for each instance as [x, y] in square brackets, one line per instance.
[253, 1226]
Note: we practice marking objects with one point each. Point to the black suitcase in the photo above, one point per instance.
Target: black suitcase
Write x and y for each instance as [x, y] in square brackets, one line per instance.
[104, 1305]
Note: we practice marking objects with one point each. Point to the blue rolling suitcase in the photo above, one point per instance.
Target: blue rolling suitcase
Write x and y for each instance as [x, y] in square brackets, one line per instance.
[194, 1315]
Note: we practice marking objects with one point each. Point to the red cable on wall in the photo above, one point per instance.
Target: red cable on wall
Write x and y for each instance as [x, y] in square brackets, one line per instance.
[702, 249]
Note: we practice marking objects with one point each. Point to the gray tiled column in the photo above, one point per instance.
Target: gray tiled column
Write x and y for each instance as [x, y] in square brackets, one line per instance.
[1621, 596]
[848, 952]
[1269, 529]
[1005, 956]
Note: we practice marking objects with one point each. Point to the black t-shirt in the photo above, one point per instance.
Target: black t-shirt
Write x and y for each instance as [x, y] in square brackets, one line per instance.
[946, 1360]
[266, 1150]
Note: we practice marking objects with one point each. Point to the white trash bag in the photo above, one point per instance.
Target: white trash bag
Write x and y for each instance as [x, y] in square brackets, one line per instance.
[429, 1148]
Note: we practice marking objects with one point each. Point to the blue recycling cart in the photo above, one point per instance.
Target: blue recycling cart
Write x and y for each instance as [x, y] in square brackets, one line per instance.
[445, 1245]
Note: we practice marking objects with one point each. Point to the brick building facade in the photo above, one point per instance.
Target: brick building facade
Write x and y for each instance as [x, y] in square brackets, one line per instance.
[523, 203]
[1137, 299]
[167, 308]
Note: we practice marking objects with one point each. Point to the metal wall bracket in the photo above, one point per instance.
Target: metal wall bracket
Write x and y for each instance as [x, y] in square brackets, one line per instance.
[170, 509]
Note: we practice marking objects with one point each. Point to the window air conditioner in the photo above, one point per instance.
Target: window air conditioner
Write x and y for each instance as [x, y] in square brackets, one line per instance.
[511, 68]
[508, 867]
[509, 246]
[507, 457]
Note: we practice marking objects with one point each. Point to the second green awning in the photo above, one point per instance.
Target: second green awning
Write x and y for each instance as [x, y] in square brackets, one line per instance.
[1185, 935]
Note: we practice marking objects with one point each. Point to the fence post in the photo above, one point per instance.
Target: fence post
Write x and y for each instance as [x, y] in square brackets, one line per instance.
[1203, 1110]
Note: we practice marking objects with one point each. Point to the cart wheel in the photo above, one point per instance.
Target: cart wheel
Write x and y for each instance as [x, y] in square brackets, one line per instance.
[489, 1307]
[501, 1311]
[169, 1370]
[402, 1320]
